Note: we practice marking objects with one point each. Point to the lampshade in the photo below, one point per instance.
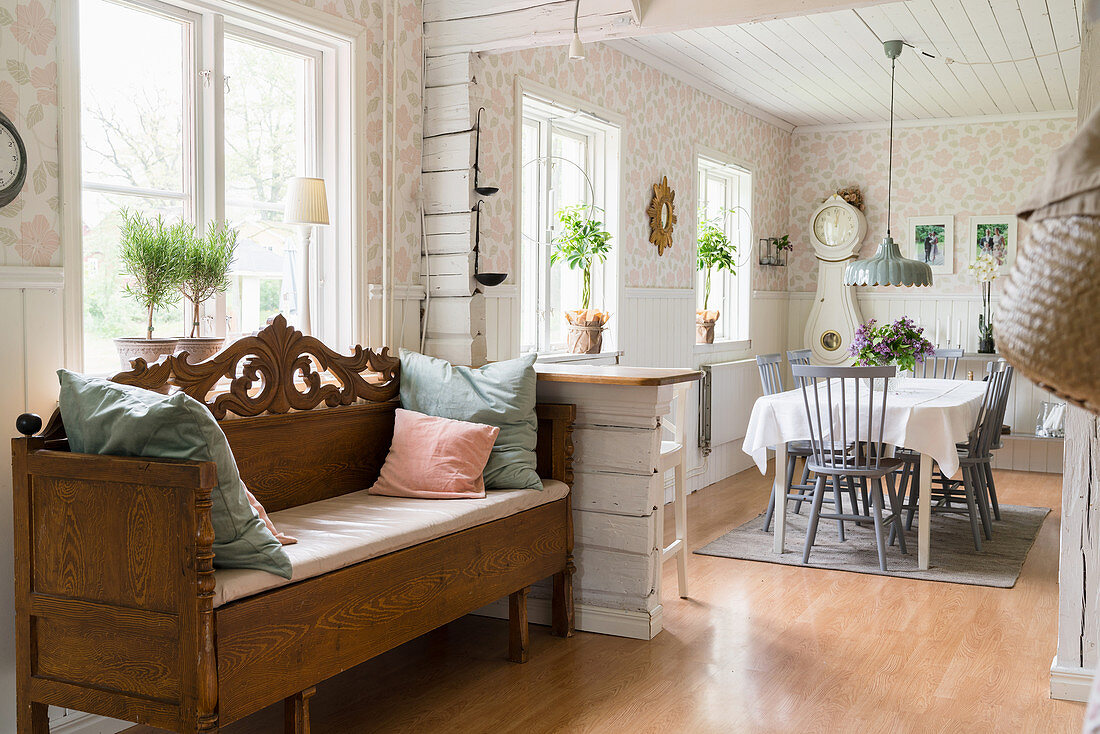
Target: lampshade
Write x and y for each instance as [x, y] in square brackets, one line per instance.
[576, 48]
[888, 267]
[306, 202]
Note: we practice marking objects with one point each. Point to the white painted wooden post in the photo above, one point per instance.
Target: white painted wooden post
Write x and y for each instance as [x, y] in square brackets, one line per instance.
[1079, 560]
[1074, 664]
[456, 314]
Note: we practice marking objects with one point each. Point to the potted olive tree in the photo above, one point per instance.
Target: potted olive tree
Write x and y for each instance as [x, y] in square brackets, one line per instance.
[207, 260]
[583, 242]
[152, 254]
[715, 253]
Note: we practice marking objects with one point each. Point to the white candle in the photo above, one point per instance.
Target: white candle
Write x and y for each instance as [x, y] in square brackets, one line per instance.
[937, 332]
[959, 332]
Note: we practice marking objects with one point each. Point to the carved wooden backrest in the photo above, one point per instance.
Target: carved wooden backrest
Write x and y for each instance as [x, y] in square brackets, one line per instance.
[273, 371]
[305, 422]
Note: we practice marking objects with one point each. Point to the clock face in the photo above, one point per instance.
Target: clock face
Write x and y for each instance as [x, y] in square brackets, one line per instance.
[11, 162]
[835, 226]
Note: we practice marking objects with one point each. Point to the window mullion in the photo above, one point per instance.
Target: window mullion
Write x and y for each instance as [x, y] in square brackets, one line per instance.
[212, 162]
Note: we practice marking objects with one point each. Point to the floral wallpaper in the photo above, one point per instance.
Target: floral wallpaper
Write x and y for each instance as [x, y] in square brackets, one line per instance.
[29, 226]
[665, 121]
[959, 170]
[28, 96]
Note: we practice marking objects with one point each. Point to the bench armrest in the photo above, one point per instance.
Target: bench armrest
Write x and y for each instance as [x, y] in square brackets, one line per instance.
[554, 451]
[114, 568]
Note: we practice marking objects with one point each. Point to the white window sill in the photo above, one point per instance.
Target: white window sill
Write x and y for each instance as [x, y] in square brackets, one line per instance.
[728, 345]
[558, 357]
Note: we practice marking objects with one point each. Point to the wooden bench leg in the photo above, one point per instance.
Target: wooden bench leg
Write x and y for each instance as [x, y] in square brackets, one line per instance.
[296, 712]
[33, 718]
[519, 639]
[561, 612]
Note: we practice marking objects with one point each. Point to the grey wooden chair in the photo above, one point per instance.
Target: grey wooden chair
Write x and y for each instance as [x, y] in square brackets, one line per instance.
[975, 456]
[799, 356]
[998, 439]
[772, 382]
[835, 400]
[943, 364]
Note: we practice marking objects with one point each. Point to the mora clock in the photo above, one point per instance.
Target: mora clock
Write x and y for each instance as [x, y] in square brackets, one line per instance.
[837, 230]
[13, 161]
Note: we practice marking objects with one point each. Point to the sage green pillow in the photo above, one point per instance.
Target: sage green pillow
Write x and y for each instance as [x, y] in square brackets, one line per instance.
[500, 394]
[103, 417]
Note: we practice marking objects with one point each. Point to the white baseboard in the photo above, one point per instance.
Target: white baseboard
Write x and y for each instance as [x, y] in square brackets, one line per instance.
[77, 723]
[601, 620]
[1070, 683]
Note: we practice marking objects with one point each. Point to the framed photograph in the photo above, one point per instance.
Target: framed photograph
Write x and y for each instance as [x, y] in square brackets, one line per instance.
[931, 241]
[994, 234]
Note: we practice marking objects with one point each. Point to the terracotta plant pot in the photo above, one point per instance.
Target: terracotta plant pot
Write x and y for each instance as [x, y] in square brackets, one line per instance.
[200, 348]
[151, 350]
[585, 339]
[704, 326]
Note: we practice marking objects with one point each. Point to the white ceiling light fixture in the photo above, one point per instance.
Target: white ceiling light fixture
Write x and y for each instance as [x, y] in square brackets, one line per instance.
[576, 48]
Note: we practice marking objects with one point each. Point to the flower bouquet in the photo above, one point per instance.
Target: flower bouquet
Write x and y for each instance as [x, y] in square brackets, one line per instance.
[901, 343]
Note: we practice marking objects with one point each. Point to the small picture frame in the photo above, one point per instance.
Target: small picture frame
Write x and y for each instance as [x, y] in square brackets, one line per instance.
[932, 241]
[994, 234]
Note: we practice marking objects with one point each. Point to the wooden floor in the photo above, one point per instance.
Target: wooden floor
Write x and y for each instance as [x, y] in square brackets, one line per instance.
[758, 648]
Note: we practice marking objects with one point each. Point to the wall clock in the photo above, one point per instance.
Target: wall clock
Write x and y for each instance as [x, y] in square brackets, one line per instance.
[662, 215]
[837, 230]
[13, 161]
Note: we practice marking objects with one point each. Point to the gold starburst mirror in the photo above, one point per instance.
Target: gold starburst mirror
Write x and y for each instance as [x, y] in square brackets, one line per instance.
[662, 215]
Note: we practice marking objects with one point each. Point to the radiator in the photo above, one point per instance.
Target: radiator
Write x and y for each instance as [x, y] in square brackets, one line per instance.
[726, 396]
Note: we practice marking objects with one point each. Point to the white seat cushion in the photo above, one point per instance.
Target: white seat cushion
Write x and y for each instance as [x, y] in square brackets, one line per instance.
[355, 527]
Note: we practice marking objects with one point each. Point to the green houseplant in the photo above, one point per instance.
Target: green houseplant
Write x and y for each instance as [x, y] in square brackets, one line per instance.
[152, 253]
[715, 252]
[582, 243]
[207, 261]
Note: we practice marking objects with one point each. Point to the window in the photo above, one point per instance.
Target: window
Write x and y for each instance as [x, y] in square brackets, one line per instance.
[569, 157]
[725, 200]
[203, 116]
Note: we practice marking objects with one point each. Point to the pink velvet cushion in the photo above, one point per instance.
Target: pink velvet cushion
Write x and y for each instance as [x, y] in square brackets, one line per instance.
[284, 539]
[435, 458]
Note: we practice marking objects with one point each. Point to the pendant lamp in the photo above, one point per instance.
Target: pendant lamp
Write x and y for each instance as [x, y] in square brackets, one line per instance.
[888, 267]
[576, 48]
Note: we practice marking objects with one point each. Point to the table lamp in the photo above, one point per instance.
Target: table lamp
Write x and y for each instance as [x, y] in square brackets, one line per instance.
[306, 205]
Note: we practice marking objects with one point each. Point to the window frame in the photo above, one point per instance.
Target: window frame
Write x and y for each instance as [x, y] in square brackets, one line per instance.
[738, 287]
[605, 161]
[341, 269]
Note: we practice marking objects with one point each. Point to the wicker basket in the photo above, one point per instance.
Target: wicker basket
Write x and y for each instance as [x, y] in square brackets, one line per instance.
[1048, 325]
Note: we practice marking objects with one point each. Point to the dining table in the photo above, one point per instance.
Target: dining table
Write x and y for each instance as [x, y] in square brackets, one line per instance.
[927, 416]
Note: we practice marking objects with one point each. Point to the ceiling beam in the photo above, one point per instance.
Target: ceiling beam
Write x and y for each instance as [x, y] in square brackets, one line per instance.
[666, 16]
[456, 26]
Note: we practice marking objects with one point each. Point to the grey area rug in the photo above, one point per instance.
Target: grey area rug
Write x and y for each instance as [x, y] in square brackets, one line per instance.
[954, 559]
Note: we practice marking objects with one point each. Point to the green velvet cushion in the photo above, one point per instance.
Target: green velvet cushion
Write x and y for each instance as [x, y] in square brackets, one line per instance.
[102, 417]
[500, 394]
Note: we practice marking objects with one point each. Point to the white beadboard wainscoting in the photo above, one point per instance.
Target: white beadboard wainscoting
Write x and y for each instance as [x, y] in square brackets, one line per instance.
[656, 328]
[1021, 452]
[33, 334]
[407, 303]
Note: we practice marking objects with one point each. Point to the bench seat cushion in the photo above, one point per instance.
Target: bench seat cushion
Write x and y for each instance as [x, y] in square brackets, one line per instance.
[355, 527]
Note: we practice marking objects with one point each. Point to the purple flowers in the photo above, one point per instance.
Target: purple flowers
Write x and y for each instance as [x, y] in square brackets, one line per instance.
[901, 343]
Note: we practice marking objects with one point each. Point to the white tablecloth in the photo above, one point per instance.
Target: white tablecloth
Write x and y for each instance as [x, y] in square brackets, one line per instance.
[927, 416]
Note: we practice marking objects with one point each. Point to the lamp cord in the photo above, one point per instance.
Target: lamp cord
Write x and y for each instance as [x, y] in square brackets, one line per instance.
[890, 169]
[576, 14]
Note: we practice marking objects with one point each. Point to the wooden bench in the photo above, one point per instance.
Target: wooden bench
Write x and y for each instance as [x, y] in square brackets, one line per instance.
[115, 579]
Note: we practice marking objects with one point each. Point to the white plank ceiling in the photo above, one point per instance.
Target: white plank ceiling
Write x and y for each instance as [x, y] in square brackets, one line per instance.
[994, 57]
